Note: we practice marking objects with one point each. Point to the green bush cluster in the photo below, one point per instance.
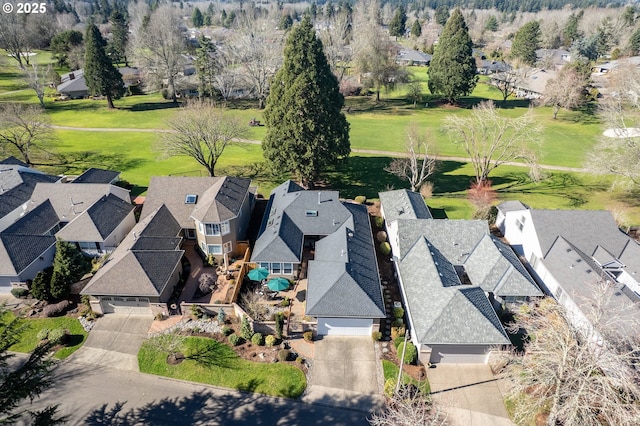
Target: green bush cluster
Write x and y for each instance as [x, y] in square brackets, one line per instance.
[410, 354]
[196, 311]
[43, 334]
[234, 339]
[397, 331]
[19, 292]
[245, 328]
[308, 335]
[389, 387]
[376, 336]
[226, 330]
[360, 199]
[285, 302]
[397, 341]
[398, 312]
[257, 339]
[58, 336]
[385, 248]
[270, 340]
[379, 221]
[279, 324]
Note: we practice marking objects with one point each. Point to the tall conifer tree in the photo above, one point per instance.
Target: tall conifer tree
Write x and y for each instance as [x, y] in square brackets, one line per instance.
[452, 72]
[101, 77]
[526, 42]
[306, 129]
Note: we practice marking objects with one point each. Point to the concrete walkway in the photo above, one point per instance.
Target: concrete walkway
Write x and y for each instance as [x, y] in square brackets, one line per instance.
[114, 342]
[472, 393]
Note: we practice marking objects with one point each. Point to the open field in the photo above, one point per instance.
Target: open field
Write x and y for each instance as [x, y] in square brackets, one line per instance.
[374, 126]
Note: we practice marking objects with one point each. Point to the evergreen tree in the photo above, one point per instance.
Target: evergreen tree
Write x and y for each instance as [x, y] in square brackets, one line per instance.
[41, 285]
[62, 43]
[442, 14]
[69, 265]
[196, 18]
[571, 31]
[416, 29]
[526, 42]
[397, 26]
[306, 129]
[286, 22]
[492, 24]
[101, 77]
[206, 67]
[117, 46]
[452, 72]
[634, 43]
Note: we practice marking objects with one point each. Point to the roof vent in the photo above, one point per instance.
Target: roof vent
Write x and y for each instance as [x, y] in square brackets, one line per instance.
[311, 213]
[350, 234]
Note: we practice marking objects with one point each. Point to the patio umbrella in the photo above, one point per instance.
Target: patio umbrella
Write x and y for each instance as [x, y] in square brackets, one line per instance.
[258, 274]
[278, 284]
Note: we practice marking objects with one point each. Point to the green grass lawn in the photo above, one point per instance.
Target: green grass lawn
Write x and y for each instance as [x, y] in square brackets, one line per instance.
[214, 363]
[29, 341]
[391, 372]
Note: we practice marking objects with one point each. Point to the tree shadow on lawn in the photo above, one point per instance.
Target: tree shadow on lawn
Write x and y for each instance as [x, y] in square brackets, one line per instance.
[215, 355]
[80, 161]
[152, 106]
[231, 409]
[587, 114]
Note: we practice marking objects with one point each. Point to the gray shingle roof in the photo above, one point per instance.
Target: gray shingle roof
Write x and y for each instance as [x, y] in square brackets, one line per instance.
[403, 204]
[222, 201]
[11, 160]
[17, 185]
[159, 223]
[69, 200]
[21, 251]
[37, 222]
[512, 205]
[158, 265]
[156, 243]
[98, 221]
[94, 175]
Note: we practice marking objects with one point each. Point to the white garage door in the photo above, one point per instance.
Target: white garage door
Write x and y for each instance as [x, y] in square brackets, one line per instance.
[125, 305]
[345, 326]
[459, 354]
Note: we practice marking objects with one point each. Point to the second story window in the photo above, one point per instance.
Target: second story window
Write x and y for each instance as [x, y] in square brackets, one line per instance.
[216, 228]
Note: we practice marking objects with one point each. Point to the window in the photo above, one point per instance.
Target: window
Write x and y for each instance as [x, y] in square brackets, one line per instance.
[228, 247]
[287, 268]
[212, 228]
[533, 260]
[190, 199]
[225, 228]
[86, 246]
[214, 249]
[276, 268]
[264, 265]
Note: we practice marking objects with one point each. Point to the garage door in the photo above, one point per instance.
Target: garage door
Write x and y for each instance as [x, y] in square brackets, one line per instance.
[125, 305]
[459, 354]
[345, 326]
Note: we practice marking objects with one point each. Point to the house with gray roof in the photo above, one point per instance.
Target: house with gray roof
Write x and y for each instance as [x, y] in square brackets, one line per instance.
[214, 211]
[572, 251]
[453, 275]
[334, 239]
[94, 217]
[94, 175]
[74, 86]
[413, 57]
[140, 276]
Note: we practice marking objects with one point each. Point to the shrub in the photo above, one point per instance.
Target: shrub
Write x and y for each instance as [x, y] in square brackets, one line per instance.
[234, 339]
[398, 312]
[221, 316]
[43, 334]
[385, 248]
[410, 354]
[379, 221]
[226, 330]
[19, 292]
[398, 322]
[245, 328]
[397, 341]
[389, 387]
[279, 324]
[270, 340]
[196, 311]
[58, 336]
[285, 302]
[300, 360]
[56, 308]
[40, 286]
[159, 317]
[376, 336]
[284, 354]
[397, 331]
[360, 199]
[308, 335]
[381, 236]
[257, 339]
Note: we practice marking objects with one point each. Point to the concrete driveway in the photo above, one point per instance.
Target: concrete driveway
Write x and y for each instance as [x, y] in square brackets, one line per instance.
[345, 369]
[472, 393]
[114, 342]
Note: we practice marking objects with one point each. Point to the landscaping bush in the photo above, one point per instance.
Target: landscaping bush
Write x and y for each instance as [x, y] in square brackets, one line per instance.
[221, 316]
[270, 340]
[376, 336]
[360, 199]
[300, 360]
[397, 331]
[308, 335]
[58, 336]
[389, 387]
[379, 221]
[397, 341]
[381, 236]
[226, 330]
[284, 354]
[245, 328]
[40, 286]
[234, 339]
[285, 302]
[279, 324]
[398, 322]
[55, 309]
[205, 284]
[257, 339]
[43, 334]
[19, 292]
[159, 317]
[196, 311]
[398, 312]
[410, 354]
[385, 248]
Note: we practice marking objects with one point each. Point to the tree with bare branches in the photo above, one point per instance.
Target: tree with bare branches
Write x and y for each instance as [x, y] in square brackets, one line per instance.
[202, 132]
[578, 370]
[37, 78]
[565, 91]
[24, 129]
[508, 81]
[491, 139]
[419, 163]
[410, 407]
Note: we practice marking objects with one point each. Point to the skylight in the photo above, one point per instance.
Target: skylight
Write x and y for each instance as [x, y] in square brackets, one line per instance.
[190, 199]
[311, 213]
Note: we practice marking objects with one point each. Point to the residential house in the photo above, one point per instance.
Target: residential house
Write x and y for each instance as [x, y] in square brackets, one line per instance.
[571, 251]
[533, 84]
[552, 58]
[95, 217]
[94, 175]
[213, 211]
[141, 274]
[74, 86]
[612, 65]
[332, 240]
[453, 275]
[487, 67]
[413, 57]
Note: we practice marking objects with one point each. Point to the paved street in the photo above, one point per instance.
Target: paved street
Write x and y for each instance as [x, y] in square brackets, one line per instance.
[106, 396]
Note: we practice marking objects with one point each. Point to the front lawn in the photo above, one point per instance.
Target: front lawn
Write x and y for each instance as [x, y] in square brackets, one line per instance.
[29, 340]
[391, 372]
[208, 361]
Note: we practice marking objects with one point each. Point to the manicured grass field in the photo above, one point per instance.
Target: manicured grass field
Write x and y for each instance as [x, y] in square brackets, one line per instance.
[29, 341]
[217, 364]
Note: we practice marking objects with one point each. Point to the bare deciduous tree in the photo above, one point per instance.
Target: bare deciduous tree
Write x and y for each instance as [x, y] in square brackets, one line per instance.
[508, 81]
[202, 132]
[14, 39]
[491, 140]
[335, 39]
[36, 76]
[580, 370]
[170, 342]
[564, 91]
[419, 164]
[24, 129]
[409, 407]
